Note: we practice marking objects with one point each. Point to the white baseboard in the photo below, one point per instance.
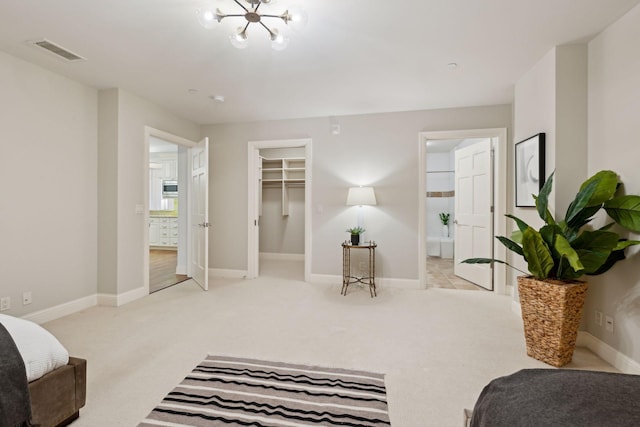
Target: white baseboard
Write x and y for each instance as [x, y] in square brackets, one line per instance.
[600, 348]
[109, 300]
[230, 274]
[53, 313]
[609, 354]
[384, 282]
[281, 257]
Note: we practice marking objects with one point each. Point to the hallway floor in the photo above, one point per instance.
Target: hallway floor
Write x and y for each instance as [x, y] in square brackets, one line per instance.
[440, 275]
[162, 269]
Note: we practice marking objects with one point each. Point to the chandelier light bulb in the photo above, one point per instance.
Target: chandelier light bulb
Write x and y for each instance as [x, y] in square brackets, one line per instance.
[278, 41]
[297, 19]
[207, 18]
[239, 39]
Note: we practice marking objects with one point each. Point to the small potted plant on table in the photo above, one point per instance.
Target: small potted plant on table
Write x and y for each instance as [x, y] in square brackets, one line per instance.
[355, 234]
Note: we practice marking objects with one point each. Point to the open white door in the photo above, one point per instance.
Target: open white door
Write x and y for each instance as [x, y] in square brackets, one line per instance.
[473, 217]
[254, 190]
[199, 156]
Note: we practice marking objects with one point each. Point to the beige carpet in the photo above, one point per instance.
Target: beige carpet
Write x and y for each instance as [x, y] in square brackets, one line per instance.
[437, 347]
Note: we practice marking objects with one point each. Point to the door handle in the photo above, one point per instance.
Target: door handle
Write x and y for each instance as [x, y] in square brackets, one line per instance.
[204, 224]
[455, 221]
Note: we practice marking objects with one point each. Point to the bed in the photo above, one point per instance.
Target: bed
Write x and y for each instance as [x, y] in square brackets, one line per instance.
[40, 383]
[559, 397]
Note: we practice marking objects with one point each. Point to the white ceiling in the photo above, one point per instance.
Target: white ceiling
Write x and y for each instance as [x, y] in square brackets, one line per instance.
[354, 57]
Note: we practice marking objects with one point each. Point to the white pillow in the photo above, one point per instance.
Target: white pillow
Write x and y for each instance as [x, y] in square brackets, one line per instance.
[41, 351]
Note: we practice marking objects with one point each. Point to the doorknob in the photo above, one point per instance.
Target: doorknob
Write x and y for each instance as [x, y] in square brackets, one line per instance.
[455, 221]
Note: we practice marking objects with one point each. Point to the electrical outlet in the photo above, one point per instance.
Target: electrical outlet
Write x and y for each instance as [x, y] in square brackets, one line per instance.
[27, 298]
[5, 303]
[609, 323]
[598, 318]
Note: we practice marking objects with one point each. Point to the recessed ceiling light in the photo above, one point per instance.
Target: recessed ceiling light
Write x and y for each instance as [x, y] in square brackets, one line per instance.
[452, 65]
[217, 98]
[192, 91]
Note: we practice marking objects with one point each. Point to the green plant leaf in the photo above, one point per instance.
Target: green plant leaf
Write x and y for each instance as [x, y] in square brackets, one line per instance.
[567, 252]
[566, 272]
[583, 216]
[594, 248]
[538, 256]
[489, 261]
[542, 201]
[623, 244]
[625, 210]
[511, 245]
[605, 189]
[516, 236]
[581, 200]
[614, 257]
[521, 224]
[548, 233]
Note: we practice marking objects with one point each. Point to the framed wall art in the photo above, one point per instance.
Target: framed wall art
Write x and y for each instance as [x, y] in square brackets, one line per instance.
[529, 169]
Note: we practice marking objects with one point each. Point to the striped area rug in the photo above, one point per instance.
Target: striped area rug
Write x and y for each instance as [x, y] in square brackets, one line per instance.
[244, 392]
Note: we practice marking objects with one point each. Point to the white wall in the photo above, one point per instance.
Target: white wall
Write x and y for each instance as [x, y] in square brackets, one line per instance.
[551, 98]
[377, 149]
[123, 117]
[48, 203]
[614, 131]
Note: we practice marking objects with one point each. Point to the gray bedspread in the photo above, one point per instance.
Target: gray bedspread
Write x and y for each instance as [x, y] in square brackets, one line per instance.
[15, 402]
[559, 397]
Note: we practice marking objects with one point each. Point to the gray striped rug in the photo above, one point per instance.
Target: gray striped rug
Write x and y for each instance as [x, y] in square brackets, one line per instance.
[245, 392]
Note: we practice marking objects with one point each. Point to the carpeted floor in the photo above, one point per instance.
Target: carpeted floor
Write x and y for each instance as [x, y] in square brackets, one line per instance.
[437, 347]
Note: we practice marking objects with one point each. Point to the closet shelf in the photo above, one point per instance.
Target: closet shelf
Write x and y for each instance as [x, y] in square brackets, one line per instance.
[282, 173]
[440, 171]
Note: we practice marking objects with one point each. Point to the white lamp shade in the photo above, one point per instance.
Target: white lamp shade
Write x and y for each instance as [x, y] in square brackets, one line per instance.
[361, 196]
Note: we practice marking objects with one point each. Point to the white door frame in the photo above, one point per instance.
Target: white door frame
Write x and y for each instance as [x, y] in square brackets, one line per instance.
[253, 251]
[499, 198]
[175, 139]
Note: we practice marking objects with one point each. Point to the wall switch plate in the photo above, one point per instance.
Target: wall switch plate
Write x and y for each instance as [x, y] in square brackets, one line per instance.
[598, 318]
[5, 303]
[27, 298]
[139, 209]
[609, 323]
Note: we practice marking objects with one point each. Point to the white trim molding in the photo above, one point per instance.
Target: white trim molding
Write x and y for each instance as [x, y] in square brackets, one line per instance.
[607, 353]
[61, 310]
[226, 273]
[275, 256]
[110, 300]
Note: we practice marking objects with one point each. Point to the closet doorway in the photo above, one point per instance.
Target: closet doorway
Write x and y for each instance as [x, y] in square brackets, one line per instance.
[279, 229]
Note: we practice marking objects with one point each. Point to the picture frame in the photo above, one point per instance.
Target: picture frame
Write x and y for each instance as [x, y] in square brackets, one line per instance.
[529, 169]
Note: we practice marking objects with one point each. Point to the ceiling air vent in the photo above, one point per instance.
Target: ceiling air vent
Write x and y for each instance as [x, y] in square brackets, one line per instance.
[57, 50]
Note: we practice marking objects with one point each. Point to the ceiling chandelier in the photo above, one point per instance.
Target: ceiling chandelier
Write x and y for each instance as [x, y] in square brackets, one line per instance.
[208, 18]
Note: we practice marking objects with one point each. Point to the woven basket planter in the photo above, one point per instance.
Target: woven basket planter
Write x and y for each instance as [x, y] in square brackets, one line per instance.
[551, 313]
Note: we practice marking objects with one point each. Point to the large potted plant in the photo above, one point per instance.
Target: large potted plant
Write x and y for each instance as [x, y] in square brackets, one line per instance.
[559, 254]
